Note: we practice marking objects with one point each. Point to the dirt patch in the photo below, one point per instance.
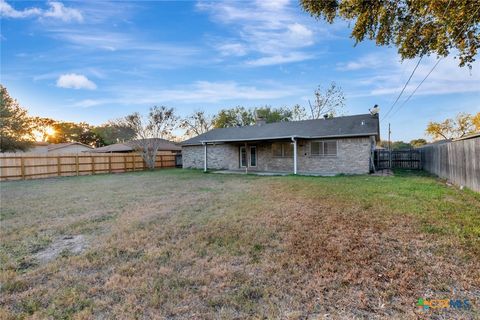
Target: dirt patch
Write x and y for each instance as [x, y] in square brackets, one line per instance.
[65, 245]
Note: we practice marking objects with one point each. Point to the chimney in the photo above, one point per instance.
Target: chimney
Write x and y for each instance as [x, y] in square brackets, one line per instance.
[260, 121]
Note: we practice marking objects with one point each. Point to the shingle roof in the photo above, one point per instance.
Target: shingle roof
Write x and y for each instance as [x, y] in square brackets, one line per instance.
[66, 144]
[357, 125]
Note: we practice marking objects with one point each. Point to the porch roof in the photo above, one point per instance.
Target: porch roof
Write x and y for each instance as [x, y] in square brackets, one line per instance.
[348, 126]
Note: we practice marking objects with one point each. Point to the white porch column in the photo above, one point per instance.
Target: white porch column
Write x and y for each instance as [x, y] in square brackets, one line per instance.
[294, 155]
[205, 158]
[246, 158]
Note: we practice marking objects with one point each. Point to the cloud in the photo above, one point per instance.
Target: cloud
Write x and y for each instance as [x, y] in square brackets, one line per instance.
[232, 49]
[374, 75]
[279, 59]
[59, 11]
[75, 81]
[369, 61]
[56, 11]
[271, 29]
[197, 92]
[8, 11]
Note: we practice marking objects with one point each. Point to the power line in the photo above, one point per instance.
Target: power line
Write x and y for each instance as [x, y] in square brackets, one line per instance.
[404, 87]
[421, 82]
[413, 72]
[433, 68]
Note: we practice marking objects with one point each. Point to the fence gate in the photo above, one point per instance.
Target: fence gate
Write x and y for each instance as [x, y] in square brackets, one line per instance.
[407, 159]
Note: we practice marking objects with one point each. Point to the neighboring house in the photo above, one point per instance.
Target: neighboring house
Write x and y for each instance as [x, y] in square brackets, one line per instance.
[165, 146]
[324, 146]
[59, 148]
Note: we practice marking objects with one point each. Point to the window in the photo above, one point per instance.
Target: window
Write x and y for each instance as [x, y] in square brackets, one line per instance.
[277, 150]
[253, 156]
[243, 157]
[323, 148]
[330, 148]
[316, 148]
[283, 149]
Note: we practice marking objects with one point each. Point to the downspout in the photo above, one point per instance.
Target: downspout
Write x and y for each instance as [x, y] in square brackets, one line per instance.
[294, 155]
[205, 157]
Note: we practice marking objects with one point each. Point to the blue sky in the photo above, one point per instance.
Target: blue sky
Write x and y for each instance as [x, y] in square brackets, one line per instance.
[97, 60]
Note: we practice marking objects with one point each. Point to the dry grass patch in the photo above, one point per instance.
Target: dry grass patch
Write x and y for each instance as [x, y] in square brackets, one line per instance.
[182, 244]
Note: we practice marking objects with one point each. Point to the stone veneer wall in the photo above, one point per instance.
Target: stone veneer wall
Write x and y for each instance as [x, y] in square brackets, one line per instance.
[353, 157]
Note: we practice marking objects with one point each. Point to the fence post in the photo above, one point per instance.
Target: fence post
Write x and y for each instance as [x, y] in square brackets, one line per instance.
[125, 163]
[109, 163]
[22, 167]
[76, 164]
[58, 167]
[93, 164]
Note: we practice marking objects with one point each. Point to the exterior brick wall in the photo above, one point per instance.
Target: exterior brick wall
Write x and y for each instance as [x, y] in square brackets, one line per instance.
[219, 156]
[353, 157]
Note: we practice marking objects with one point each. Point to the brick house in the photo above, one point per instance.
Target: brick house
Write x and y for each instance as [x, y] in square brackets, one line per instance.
[325, 147]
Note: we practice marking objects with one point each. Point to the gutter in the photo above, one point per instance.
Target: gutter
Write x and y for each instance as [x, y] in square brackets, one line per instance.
[282, 137]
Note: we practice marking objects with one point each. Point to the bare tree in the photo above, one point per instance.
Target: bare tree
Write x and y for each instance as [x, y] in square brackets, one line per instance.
[150, 131]
[330, 101]
[197, 123]
[299, 113]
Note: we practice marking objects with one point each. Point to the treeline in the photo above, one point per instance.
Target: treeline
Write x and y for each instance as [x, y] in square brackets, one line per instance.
[19, 130]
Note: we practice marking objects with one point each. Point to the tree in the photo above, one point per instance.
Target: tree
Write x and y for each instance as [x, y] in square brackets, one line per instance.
[326, 102]
[415, 27]
[418, 142]
[149, 130]
[476, 121]
[74, 132]
[43, 128]
[395, 145]
[15, 125]
[273, 114]
[196, 124]
[462, 125]
[235, 117]
[113, 132]
[299, 113]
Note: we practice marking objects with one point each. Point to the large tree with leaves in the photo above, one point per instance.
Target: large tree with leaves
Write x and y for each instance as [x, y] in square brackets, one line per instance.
[113, 132]
[15, 125]
[234, 117]
[415, 27]
[270, 114]
[150, 130]
[43, 128]
[462, 125]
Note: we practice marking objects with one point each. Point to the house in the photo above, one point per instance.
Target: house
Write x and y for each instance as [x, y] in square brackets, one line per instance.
[165, 146]
[59, 148]
[325, 146]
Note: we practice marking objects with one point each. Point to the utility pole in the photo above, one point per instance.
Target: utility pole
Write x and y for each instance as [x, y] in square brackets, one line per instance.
[389, 147]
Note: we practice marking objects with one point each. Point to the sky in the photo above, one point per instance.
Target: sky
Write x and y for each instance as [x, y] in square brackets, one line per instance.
[94, 61]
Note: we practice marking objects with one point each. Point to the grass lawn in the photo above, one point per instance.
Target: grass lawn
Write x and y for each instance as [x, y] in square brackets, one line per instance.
[184, 244]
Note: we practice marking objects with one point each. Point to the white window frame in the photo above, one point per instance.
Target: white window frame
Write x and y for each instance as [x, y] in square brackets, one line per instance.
[322, 149]
[240, 157]
[250, 156]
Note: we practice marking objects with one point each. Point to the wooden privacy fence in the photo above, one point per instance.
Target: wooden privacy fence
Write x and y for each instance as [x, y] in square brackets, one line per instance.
[457, 161]
[32, 166]
[406, 159]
